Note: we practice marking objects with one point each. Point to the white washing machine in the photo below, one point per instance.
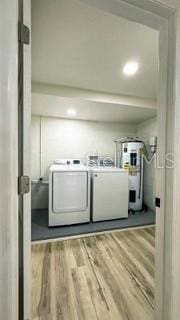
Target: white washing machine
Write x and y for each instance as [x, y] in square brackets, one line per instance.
[69, 193]
[109, 193]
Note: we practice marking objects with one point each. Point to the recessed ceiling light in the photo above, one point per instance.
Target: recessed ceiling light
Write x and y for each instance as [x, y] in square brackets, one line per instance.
[71, 112]
[130, 68]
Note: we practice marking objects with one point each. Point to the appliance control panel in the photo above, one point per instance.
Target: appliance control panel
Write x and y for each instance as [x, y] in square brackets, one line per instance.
[67, 161]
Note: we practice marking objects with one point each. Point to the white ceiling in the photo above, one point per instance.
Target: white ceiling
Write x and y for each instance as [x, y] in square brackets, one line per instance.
[88, 110]
[80, 46]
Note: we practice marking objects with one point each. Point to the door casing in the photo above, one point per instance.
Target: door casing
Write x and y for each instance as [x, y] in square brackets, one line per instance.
[153, 13]
[163, 19]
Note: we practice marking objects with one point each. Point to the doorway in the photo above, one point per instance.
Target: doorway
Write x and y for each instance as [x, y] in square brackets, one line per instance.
[69, 129]
[73, 118]
[161, 171]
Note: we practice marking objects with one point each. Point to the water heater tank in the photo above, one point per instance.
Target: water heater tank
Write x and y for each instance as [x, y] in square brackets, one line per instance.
[132, 160]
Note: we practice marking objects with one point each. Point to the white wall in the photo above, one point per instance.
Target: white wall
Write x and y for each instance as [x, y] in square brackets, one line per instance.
[146, 130]
[62, 138]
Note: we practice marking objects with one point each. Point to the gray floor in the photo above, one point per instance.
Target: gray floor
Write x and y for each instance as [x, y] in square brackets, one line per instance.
[41, 231]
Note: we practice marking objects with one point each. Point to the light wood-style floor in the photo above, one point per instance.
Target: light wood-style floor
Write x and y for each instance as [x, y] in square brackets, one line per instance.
[102, 277]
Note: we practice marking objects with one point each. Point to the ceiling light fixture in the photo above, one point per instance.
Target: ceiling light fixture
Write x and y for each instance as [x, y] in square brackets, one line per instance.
[130, 68]
[71, 112]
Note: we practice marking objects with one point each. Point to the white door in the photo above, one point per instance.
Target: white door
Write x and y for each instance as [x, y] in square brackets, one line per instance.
[110, 195]
[70, 190]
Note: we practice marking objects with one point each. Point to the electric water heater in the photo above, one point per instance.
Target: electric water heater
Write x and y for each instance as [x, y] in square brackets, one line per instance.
[132, 160]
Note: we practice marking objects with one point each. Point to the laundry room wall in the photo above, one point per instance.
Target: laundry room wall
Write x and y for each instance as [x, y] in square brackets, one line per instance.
[145, 130]
[54, 138]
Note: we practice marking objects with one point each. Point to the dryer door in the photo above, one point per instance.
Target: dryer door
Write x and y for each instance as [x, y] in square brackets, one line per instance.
[70, 191]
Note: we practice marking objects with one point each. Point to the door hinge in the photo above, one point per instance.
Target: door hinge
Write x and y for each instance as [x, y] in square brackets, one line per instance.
[158, 202]
[23, 184]
[24, 34]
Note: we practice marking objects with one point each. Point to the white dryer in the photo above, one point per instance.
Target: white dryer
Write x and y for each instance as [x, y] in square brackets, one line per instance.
[110, 192]
[69, 193]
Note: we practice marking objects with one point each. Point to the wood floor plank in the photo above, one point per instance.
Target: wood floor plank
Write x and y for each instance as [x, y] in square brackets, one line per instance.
[62, 294]
[145, 234]
[108, 283]
[102, 298]
[136, 269]
[76, 248]
[151, 231]
[44, 307]
[101, 277]
[141, 254]
[122, 288]
[143, 244]
[83, 297]
[134, 258]
[36, 278]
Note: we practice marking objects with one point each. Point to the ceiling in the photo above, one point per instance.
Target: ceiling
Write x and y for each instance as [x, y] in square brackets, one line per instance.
[88, 110]
[80, 46]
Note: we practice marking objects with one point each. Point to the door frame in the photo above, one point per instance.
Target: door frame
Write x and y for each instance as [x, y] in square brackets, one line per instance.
[26, 226]
[153, 13]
